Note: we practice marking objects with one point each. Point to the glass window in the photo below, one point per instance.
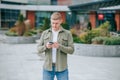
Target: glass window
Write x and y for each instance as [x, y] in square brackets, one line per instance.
[8, 17]
[53, 2]
[40, 16]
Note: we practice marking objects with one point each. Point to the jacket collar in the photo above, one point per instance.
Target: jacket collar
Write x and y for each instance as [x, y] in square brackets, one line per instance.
[61, 30]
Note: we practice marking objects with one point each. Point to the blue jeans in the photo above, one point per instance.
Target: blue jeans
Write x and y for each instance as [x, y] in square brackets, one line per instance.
[49, 75]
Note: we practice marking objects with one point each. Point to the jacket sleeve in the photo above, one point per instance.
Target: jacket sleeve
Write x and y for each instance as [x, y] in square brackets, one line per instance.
[41, 46]
[70, 48]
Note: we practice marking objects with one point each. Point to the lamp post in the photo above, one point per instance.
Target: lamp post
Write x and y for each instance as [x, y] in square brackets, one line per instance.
[70, 17]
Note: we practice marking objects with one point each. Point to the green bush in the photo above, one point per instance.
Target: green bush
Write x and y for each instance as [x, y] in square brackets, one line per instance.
[21, 18]
[28, 33]
[112, 41]
[102, 30]
[46, 24]
[105, 25]
[65, 26]
[76, 39]
[91, 35]
[98, 40]
[11, 33]
[33, 31]
[106, 40]
[100, 35]
[88, 36]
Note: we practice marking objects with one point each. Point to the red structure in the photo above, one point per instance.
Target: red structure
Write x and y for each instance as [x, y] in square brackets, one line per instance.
[31, 17]
[100, 16]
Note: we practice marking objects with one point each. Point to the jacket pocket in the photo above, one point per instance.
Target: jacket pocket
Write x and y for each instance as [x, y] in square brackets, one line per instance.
[65, 41]
[46, 39]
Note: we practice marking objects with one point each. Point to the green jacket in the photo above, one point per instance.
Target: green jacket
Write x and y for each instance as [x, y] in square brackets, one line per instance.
[66, 47]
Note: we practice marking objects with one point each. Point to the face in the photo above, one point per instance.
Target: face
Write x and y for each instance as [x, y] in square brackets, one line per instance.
[56, 24]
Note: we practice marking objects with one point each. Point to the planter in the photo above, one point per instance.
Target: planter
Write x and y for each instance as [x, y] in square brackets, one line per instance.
[20, 39]
[97, 50]
[3, 32]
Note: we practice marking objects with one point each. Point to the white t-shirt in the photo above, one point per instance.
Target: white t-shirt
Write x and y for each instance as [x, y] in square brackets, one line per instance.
[54, 50]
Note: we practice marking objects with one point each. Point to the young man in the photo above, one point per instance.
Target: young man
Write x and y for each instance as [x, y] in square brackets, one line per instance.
[56, 42]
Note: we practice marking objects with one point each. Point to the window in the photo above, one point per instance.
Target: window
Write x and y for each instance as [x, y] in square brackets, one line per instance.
[40, 16]
[8, 17]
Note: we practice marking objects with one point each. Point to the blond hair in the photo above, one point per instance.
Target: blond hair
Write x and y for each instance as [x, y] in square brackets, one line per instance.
[56, 16]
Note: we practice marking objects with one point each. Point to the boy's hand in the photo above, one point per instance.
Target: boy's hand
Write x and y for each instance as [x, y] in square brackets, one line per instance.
[49, 45]
[55, 45]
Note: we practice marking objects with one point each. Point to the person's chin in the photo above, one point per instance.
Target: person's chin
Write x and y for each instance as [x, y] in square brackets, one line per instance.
[54, 29]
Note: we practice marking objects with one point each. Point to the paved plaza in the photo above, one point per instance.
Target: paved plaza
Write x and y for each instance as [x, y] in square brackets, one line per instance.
[21, 62]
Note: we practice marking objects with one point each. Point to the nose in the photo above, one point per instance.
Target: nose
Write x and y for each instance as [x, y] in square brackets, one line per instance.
[55, 25]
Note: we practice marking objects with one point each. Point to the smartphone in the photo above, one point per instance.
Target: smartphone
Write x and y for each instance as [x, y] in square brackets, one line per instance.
[50, 43]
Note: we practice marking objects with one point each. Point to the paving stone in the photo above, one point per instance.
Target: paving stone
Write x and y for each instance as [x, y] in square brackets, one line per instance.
[21, 62]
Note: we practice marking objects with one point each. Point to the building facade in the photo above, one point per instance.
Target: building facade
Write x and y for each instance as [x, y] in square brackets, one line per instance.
[92, 12]
[34, 10]
[72, 11]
